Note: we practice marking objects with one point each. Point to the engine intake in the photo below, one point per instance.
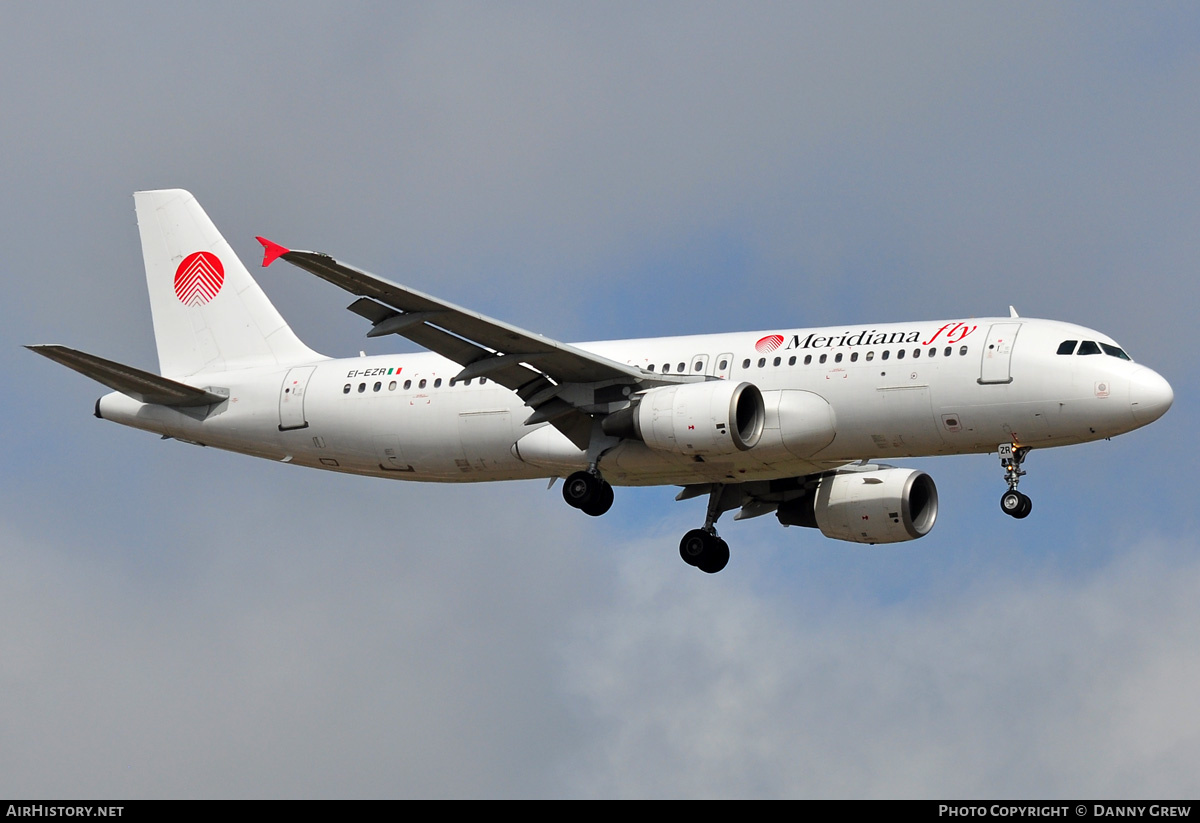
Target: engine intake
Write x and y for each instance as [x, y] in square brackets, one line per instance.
[885, 506]
[716, 417]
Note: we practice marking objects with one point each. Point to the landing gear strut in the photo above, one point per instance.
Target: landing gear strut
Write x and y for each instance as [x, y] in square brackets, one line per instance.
[703, 548]
[1012, 502]
[588, 492]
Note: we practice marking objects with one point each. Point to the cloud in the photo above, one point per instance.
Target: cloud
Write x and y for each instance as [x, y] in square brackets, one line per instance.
[1046, 687]
[286, 656]
[433, 666]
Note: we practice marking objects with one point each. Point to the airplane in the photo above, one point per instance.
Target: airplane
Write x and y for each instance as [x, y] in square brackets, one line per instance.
[785, 421]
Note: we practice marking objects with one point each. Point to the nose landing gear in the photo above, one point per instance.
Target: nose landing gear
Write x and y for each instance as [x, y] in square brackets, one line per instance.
[1012, 502]
[1016, 504]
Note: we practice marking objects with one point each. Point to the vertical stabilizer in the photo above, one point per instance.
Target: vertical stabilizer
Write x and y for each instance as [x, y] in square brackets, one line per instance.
[209, 314]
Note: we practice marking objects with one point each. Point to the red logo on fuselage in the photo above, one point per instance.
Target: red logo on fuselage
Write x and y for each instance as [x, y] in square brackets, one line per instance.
[199, 278]
[954, 333]
[769, 343]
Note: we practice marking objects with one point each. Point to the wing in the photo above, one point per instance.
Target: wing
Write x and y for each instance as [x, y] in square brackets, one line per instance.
[564, 385]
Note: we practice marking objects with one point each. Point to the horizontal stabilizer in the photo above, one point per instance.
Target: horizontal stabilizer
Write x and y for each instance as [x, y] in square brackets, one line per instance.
[140, 385]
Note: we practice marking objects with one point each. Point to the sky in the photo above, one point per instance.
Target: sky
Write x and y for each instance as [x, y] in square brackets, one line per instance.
[182, 622]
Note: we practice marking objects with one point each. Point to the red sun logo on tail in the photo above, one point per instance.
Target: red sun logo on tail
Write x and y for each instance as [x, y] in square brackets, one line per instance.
[199, 278]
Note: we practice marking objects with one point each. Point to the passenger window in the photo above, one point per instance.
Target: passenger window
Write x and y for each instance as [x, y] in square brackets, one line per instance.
[392, 386]
[680, 369]
[745, 364]
[792, 360]
[947, 352]
[853, 357]
[1088, 347]
[482, 380]
[837, 358]
[963, 350]
[469, 379]
[762, 361]
[437, 384]
[824, 357]
[778, 360]
[698, 365]
[666, 368]
[884, 356]
[807, 359]
[407, 385]
[916, 352]
[932, 353]
[421, 385]
[723, 365]
[1067, 347]
[346, 389]
[870, 356]
[362, 387]
[378, 386]
[900, 354]
[650, 367]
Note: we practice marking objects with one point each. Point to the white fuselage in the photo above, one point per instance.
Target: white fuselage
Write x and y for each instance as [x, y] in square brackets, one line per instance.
[832, 396]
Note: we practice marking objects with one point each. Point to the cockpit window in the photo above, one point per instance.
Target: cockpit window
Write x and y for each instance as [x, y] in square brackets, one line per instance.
[1067, 347]
[1088, 347]
[1114, 351]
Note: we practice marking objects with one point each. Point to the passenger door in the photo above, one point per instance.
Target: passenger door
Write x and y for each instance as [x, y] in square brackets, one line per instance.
[997, 353]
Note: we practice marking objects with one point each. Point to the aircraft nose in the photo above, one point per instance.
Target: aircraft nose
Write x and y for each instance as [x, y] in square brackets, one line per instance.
[1150, 395]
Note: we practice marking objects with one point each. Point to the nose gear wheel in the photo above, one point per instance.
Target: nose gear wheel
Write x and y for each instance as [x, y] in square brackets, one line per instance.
[1015, 504]
[1012, 502]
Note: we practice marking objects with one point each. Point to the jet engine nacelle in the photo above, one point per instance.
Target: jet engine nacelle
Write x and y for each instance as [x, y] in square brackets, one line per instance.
[711, 418]
[888, 505]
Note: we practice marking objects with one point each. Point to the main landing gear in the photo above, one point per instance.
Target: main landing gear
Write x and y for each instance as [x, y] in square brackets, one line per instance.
[588, 492]
[1012, 502]
[704, 548]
